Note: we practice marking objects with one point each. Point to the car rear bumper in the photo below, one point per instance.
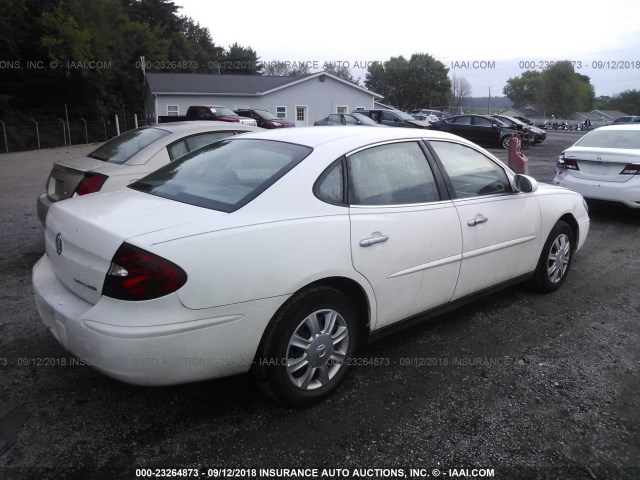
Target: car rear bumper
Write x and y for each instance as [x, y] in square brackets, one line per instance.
[197, 345]
[627, 193]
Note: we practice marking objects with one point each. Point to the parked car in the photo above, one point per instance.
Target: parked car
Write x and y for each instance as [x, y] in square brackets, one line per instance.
[256, 254]
[347, 119]
[424, 117]
[208, 112]
[264, 118]
[129, 157]
[480, 129]
[393, 118]
[533, 133]
[627, 119]
[604, 165]
[427, 111]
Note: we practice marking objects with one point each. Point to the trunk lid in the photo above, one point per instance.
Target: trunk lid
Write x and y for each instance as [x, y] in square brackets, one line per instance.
[83, 234]
[600, 164]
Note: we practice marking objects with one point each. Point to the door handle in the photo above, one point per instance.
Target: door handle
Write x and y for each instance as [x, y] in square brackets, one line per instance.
[478, 219]
[367, 242]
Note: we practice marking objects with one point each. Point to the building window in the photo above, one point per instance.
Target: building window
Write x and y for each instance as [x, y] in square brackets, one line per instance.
[281, 112]
[173, 110]
[359, 108]
[300, 114]
[342, 109]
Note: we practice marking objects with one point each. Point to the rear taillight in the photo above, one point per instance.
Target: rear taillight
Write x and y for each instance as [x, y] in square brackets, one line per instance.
[631, 169]
[90, 183]
[567, 163]
[136, 274]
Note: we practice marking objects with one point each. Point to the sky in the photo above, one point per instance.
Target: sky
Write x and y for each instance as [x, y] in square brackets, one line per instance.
[485, 42]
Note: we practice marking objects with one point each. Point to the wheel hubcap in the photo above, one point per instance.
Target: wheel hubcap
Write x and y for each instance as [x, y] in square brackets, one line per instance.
[558, 260]
[317, 349]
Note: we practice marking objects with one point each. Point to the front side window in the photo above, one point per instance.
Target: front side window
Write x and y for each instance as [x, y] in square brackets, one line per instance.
[471, 173]
[393, 174]
[225, 175]
[122, 148]
[466, 120]
[484, 122]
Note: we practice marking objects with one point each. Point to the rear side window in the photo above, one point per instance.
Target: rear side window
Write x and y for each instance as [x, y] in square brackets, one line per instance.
[470, 172]
[393, 174]
[225, 175]
[122, 148]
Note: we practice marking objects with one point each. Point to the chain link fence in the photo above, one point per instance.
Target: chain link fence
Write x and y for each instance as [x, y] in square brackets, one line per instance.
[51, 132]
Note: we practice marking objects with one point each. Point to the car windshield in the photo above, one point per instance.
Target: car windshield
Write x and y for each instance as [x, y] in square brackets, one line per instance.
[508, 120]
[122, 148]
[364, 119]
[223, 111]
[626, 139]
[225, 175]
[265, 115]
[403, 116]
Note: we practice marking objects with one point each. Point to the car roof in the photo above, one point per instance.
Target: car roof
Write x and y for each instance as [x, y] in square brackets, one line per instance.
[195, 127]
[621, 126]
[348, 136]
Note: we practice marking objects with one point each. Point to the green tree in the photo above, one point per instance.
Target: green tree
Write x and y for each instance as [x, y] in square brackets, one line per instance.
[627, 102]
[340, 71]
[563, 91]
[523, 89]
[239, 59]
[414, 83]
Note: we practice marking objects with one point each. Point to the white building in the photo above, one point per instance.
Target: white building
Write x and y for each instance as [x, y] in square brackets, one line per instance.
[301, 99]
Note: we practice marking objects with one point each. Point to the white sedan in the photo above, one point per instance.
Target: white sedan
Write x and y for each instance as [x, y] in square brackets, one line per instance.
[129, 157]
[604, 165]
[281, 251]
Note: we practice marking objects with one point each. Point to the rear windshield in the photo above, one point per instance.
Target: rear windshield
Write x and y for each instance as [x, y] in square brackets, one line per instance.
[626, 139]
[226, 175]
[122, 148]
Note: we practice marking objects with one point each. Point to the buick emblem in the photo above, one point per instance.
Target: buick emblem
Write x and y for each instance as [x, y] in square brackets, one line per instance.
[59, 244]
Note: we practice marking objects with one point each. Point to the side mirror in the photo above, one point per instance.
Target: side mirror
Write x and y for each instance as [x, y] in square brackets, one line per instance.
[494, 125]
[525, 183]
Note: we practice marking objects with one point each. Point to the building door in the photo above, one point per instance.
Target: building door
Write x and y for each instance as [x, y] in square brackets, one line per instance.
[301, 115]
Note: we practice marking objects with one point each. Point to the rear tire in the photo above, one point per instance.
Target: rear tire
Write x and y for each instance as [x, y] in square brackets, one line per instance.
[504, 142]
[306, 350]
[555, 259]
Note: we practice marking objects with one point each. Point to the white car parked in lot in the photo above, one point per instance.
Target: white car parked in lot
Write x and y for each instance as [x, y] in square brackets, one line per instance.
[604, 165]
[281, 251]
[129, 157]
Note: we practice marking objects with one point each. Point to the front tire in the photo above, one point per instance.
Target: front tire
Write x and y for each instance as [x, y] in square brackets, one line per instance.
[305, 352]
[504, 143]
[555, 259]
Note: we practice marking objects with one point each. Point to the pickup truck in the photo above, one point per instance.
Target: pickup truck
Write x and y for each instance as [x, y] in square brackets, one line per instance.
[209, 112]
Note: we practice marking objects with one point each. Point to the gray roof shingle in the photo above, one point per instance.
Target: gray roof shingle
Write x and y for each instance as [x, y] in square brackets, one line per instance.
[212, 83]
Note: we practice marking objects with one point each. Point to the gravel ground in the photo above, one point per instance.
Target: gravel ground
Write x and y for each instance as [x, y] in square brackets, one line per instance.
[528, 385]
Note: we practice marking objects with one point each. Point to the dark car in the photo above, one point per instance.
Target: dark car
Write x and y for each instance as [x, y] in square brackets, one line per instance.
[264, 118]
[535, 134]
[480, 129]
[393, 118]
[347, 119]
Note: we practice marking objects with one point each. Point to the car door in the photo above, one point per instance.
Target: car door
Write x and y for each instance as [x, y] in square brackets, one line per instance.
[405, 232]
[500, 227]
[462, 126]
[484, 131]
